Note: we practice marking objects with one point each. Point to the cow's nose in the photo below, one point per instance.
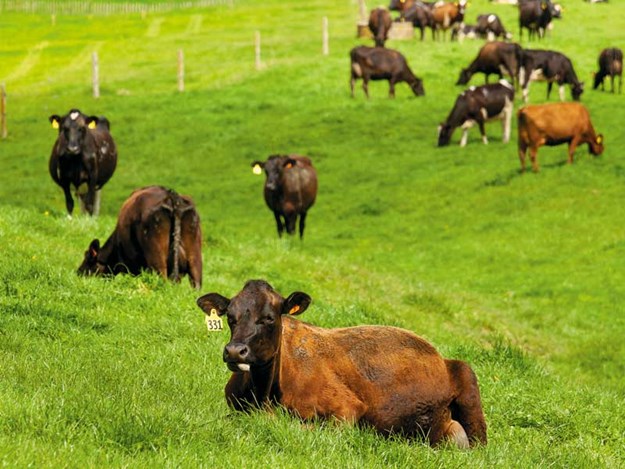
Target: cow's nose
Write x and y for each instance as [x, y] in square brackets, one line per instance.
[73, 149]
[236, 353]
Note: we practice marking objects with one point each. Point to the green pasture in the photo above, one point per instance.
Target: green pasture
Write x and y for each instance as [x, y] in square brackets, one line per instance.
[521, 275]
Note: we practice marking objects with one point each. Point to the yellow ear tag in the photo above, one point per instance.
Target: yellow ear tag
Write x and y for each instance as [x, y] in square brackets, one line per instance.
[92, 125]
[599, 140]
[294, 309]
[289, 165]
[257, 169]
[214, 322]
[55, 124]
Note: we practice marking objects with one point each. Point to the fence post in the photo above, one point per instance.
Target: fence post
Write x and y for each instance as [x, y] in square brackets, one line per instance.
[180, 70]
[326, 47]
[257, 49]
[95, 69]
[3, 110]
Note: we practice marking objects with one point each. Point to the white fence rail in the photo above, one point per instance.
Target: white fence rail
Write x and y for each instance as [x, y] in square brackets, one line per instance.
[97, 8]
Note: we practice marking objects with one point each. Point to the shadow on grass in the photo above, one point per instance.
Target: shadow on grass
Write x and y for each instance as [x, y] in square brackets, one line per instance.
[506, 178]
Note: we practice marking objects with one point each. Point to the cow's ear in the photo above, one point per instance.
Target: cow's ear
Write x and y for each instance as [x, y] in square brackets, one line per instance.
[213, 302]
[289, 163]
[92, 122]
[257, 167]
[94, 248]
[599, 139]
[296, 303]
[55, 121]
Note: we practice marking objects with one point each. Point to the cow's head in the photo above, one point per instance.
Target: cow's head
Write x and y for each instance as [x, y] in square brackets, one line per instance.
[73, 128]
[90, 264]
[417, 87]
[576, 90]
[596, 146]
[444, 134]
[254, 316]
[465, 76]
[274, 167]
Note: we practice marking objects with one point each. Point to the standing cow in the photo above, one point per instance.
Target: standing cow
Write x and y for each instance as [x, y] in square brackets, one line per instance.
[478, 105]
[535, 15]
[553, 124]
[446, 14]
[84, 157]
[494, 58]
[384, 377]
[375, 63]
[290, 189]
[157, 229]
[610, 65]
[380, 23]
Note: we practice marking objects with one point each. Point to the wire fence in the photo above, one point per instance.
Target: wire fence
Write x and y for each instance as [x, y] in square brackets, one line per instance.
[98, 8]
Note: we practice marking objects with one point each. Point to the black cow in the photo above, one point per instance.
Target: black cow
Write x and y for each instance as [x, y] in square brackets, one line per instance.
[290, 189]
[491, 27]
[478, 105]
[535, 15]
[494, 58]
[610, 65]
[420, 15]
[84, 156]
[376, 63]
[380, 23]
[550, 66]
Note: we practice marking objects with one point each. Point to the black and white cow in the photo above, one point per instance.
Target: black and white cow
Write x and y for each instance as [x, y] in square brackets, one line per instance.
[549, 66]
[477, 105]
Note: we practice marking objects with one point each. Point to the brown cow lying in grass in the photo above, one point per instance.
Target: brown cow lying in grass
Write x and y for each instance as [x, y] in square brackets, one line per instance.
[553, 124]
[381, 376]
[158, 230]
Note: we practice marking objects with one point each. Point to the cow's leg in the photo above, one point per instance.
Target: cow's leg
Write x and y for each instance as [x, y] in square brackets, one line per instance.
[572, 146]
[612, 82]
[81, 203]
[279, 223]
[507, 120]
[549, 86]
[391, 88]
[562, 92]
[290, 221]
[96, 202]
[483, 132]
[365, 85]
[522, 154]
[533, 153]
[620, 83]
[352, 82]
[302, 224]
[69, 201]
[465, 131]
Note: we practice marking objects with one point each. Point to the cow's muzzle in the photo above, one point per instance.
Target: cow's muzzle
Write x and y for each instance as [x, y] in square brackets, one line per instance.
[236, 356]
[73, 149]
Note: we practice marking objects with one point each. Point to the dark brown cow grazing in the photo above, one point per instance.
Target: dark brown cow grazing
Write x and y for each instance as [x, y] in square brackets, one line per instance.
[384, 377]
[420, 15]
[446, 14]
[550, 66]
[380, 23]
[157, 229]
[290, 189]
[83, 157]
[553, 124]
[376, 63]
[610, 65]
[494, 57]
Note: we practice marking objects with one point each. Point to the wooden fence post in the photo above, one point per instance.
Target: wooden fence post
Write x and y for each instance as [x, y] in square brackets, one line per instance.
[180, 70]
[325, 34]
[95, 70]
[257, 49]
[3, 110]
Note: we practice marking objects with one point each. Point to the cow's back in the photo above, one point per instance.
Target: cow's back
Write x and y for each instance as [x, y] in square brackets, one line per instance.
[554, 121]
[299, 185]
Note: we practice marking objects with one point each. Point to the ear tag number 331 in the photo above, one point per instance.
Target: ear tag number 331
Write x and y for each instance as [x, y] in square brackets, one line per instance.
[214, 322]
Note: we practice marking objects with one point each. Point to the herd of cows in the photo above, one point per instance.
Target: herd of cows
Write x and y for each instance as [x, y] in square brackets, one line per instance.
[384, 377]
[538, 125]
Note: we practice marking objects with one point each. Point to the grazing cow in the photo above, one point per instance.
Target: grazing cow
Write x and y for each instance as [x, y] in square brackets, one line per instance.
[494, 57]
[535, 15]
[610, 65]
[552, 124]
[84, 157]
[376, 63]
[446, 14]
[380, 23]
[158, 230]
[290, 189]
[491, 27]
[550, 66]
[377, 376]
[478, 105]
[465, 31]
[420, 15]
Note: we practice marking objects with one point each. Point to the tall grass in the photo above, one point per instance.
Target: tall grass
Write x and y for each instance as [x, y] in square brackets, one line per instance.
[520, 275]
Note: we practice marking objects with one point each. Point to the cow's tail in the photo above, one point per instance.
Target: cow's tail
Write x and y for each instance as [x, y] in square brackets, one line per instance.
[175, 234]
[466, 407]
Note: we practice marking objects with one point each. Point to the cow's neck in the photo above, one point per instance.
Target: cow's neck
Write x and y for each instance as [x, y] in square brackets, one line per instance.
[265, 381]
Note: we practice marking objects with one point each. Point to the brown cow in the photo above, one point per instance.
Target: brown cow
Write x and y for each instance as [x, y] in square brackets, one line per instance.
[380, 23]
[447, 14]
[610, 65]
[553, 124]
[84, 156]
[290, 189]
[494, 57]
[157, 230]
[384, 377]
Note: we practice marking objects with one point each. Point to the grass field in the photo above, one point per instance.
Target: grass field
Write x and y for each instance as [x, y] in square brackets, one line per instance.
[523, 276]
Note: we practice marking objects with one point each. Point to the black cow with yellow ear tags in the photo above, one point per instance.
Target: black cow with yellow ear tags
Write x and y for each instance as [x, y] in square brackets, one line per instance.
[290, 189]
[83, 159]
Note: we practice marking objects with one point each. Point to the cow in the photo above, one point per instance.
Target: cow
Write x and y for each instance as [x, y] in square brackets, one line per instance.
[550, 66]
[553, 124]
[158, 230]
[535, 16]
[380, 23]
[446, 14]
[610, 65]
[382, 377]
[84, 157]
[290, 189]
[420, 15]
[494, 57]
[478, 105]
[376, 63]
[491, 27]
[465, 31]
